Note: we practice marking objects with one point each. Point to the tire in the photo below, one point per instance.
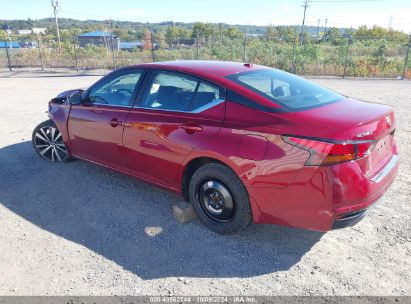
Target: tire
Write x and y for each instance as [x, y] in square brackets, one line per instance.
[48, 143]
[220, 199]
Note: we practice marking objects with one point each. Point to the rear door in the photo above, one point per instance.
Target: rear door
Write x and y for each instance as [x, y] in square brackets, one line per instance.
[96, 125]
[176, 114]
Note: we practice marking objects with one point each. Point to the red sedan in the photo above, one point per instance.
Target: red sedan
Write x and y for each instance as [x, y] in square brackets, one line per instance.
[241, 142]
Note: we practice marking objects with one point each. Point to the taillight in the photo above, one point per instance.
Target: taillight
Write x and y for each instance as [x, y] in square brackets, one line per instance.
[328, 152]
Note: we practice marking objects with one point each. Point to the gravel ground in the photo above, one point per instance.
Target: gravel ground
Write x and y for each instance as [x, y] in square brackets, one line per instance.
[79, 229]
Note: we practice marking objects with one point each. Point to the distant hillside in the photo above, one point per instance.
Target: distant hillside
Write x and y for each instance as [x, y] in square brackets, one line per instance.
[67, 23]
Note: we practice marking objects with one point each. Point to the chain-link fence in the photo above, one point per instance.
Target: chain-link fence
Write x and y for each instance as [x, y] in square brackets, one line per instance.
[343, 56]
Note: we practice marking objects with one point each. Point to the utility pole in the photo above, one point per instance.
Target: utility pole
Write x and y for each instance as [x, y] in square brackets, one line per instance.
[7, 53]
[245, 48]
[302, 28]
[325, 26]
[6, 27]
[75, 54]
[390, 22]
[318, 27]
[293, 58]
[152, 46]
[347, 53]
[197, 45]
[56, 5]
[112, 45]
[41, 55]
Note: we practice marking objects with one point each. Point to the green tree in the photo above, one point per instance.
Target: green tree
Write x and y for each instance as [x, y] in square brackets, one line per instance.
[69, 35]
[3, 35]
[271, 31]
[233, 32]
[160, 39]
[280, 33]
[333, 35]
[175, 32]
[377, 32]
[123, 34]
[205, 30]
[286, 33]
[172, 33]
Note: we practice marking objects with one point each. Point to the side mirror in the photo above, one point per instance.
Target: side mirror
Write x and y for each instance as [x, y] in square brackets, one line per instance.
[75, 98]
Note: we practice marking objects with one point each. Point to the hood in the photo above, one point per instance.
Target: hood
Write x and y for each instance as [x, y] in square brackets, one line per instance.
[62, 97]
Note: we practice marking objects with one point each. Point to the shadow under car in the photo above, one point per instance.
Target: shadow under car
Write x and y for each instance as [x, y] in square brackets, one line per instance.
[130, 222]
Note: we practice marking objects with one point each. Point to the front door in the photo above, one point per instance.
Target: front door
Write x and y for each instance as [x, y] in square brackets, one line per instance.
[96, 125]
[177, 114]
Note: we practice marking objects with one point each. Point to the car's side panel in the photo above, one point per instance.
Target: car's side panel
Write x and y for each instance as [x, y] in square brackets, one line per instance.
[276, 166]
[156, 142]
[250, 143]
[59, 114]
[95, 133]
[95, 126]
[306, 202]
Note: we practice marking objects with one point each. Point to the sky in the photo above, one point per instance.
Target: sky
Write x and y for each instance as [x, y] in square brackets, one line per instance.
[340, 13]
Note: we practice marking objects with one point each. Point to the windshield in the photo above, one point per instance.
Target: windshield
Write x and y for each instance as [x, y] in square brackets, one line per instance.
[285, 89]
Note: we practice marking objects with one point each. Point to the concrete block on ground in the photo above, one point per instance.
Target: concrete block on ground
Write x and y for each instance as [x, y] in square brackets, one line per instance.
[184, 212]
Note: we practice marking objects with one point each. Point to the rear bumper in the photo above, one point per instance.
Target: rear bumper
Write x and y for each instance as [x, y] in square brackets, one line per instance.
[387, 174]
[349, 219]
[386, 170]
[324, 198]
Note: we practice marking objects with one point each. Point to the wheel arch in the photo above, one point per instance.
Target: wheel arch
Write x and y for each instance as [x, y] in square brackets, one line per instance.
[59, 115]
[196, 162]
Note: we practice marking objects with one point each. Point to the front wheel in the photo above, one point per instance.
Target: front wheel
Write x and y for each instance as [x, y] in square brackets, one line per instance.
[48, 142]
[220, 199]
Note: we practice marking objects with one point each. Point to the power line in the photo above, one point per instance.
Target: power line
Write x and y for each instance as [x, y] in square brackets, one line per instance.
[306, 5]
[342, 1]
[312, 22]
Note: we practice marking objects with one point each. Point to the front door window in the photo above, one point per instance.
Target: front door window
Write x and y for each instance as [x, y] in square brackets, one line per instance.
[117, 90]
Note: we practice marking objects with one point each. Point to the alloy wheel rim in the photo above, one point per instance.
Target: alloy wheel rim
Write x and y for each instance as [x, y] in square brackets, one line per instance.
[49, 144]
[216, 200]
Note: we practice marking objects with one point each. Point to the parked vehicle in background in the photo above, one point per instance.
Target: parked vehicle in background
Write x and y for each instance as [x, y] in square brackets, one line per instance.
[241, 142]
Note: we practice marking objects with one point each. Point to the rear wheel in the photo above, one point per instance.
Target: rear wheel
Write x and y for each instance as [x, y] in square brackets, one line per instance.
[220, 199]
[48, 142]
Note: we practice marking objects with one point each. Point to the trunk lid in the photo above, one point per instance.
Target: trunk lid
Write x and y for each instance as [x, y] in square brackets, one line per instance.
[350, 118]
[379, 156]
[354, 120]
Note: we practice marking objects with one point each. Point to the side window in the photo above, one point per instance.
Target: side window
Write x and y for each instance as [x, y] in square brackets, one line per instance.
[205, 94]
[170, 91]
[116, 90]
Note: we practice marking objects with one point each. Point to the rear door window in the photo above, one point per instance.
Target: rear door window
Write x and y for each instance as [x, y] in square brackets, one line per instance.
[206, 93]
[168, 91]
[178, 92]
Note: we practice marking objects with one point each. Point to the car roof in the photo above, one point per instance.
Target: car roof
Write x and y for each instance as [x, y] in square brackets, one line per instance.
[204, 67]
[214, 71]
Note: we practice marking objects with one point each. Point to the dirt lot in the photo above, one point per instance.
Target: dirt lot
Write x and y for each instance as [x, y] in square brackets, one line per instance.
[78, 229]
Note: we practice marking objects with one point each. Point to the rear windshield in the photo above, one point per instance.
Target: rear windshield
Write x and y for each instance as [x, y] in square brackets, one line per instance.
[285, 89]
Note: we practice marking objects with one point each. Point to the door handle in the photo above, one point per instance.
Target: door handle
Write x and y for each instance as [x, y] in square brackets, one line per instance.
[191, 128]
[115, 122]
